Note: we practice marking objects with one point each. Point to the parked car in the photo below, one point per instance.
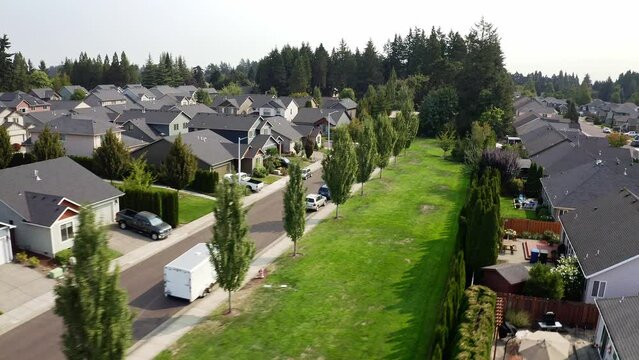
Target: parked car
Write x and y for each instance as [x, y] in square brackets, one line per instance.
[245, 180]
[607, 130]
[306, 173]
[143, 221]
[634, 143]
[284, 162]
[315, 201]
[631, 133]
[323, 190]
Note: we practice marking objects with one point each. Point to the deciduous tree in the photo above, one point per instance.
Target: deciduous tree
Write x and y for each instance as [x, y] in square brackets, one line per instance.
[6, 150]
[366, 152]
[340, 167]
[385, 136]
[112, 157]
[203, 97]
[180, 165]
[48, 146]
[295, 205]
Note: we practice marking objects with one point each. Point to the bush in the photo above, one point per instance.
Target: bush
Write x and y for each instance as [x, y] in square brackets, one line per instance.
[34, 262]
[22, 257]
[544, 282]
[531, 236]
[205, 181]
[87, 163]
[551, 237]
[617, 139]
[272, 152]
[162, 203]
[62, 257]
[516, 186]
[518, 318]
[476, 324]
[21, 159]
[260, 172]
[573, 278]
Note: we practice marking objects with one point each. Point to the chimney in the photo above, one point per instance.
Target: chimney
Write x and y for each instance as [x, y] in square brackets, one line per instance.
[35, 175]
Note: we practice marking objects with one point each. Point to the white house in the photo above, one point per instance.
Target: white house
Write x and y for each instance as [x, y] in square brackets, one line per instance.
[42, 200]
[6, 250]
[616, 335]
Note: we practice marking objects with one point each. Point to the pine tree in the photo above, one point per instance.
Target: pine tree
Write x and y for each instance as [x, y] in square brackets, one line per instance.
[412, 124]
[340, 167]
[366, 152]
[295, 205]
[6, 64]
[180, 165]
[149, 73]
[203, 97]
[48, 146]
[572, 113]
[6, 150]
[20, 75]
[386, 137]
[112, 157]
[317, 95]
[94, 309]
[231, 250]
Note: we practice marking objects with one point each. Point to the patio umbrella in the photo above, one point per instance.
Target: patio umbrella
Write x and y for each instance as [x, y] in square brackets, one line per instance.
[543, 345]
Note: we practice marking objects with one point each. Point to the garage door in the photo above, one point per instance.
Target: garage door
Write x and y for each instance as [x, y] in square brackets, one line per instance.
[5, 250]
[104, 213]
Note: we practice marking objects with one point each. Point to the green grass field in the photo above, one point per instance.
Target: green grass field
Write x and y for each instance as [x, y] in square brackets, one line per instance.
[193, 207]
[508, 211]
[367, 286]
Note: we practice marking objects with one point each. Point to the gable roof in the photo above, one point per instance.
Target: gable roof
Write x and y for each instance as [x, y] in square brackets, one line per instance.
[513, 273]
[67, 104]
[43, 93]
[206, 145]
[224, 122]
[148, 133]
[192, 110]
[42, 117]
[283, 127]
[152, 117]
[541, 139]
[12, 99]
[72, 88]
[61, 177]
[69, 125]
[620, 317]
[235, 101]
[109, 95]
[313, 115]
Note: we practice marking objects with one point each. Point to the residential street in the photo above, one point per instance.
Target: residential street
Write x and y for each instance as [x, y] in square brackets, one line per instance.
[40, 337]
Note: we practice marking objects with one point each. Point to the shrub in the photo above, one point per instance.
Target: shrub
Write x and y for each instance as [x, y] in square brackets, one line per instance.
[62, 257]
[572, 277]
[272, 152]
[87, 163]
[476, 324]
[617, 139]
[516, 186]
[544, 282]
[21, 159]
[551, 237]
[205, 181]
[22, 257]
[260, 172]
[163, 203]
[503, 160]
[518, 318]
[34, 262]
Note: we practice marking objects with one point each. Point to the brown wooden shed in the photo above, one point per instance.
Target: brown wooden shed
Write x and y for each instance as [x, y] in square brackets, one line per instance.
[506, 278]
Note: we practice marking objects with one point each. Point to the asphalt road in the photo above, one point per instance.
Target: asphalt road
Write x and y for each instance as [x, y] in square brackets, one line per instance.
[40, 338]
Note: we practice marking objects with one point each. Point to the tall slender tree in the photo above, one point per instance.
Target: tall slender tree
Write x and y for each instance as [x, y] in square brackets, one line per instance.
[112, 156]
[294, 205]
[400, 124]
[231, 250]
[6, 150]
[366, 152]
[48, 146]
[180, 165]
[93, 306]
[340, 167]
[386, 137]
[6, 64]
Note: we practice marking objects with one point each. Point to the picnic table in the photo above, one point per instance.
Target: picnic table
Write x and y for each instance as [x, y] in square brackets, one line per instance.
[509, 245]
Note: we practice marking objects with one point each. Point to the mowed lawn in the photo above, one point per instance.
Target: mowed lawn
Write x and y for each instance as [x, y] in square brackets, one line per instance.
[508, 211]
[367, 286]
[193, 207]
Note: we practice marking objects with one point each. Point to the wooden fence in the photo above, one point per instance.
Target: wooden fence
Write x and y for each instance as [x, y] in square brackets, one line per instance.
[532, 226]
[568, 313]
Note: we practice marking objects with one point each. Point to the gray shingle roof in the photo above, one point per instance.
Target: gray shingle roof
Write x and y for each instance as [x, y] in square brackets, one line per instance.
[206, 145]
[143, 127]
[283, 127]
[43, 93]
[601, 237]
[223, 122]
[65, 104]
[72, 88]
[43, 117]
[152, 117]
[236, 101]
[313, 115]
[541, 139]
[513, 273]
[12, 99]
[69, 125]
[621, 318]
[61, 177]
[192, 110]
[109, 95]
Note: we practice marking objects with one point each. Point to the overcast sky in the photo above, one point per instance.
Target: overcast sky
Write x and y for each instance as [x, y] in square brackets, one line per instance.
[599, 38]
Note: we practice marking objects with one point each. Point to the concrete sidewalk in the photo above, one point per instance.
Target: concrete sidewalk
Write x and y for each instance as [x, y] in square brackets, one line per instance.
[186, 319]
[43, 303]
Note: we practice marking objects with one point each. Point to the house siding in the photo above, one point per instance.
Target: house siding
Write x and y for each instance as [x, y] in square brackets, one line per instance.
[620, 281]
[56, 235]
[180, 120]
[598, 341]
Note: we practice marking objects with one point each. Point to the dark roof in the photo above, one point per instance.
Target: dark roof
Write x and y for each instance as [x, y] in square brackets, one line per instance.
[541, 139]
[12, 99]
[192, 110]
[131, 142]
[206, 145]
[283, 127]
[513, 273]
[43, 93]
[140, 124]
[61, 177]
[109, 95]
[621, 318]
[95, 113]
[42, 117]
[523, 100]
[236, 101]
[223, 122]
[72, 88]
[65, 104]
[70, 125]
[153, 117]
[332, 103]
[259, 141]
[603, 231]
[524, 118]
[313, 115]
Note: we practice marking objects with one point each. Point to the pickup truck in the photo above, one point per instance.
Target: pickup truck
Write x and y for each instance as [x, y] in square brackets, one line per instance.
[245, 180]
[143, 221]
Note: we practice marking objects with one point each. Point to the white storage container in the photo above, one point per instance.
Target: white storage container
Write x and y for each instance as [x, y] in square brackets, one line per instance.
[191, 275]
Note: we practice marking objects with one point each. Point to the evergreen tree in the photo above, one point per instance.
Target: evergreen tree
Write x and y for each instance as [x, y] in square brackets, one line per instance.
[203, 97]
[295, 205]
[149, 73]
[139, 175]
[111, 157]
[20, 75]
[93, 306]
[366, 152]
[412, 122]
[319, 68]
[231, 250]
[386, 136]
[78, 94]
[347, 93]
[300, 79]
[440, 107]
[42, 66]
[6, 150]
[48, 146]
[6, 64]
[317, 95]
[180, 165]
[572, 113]
[340, 167]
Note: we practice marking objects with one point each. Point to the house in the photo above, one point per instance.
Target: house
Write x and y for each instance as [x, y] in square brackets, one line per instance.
[66, 92]
[602, 235]
[138, 93]
[192, 110]
[267, 105]
[292, 106]
[506, 278]
[233, 105]
[347, 105]
[184, 95]
[22, 102]
[137, 128]
[17, 132]
[319, 118]
[80, 136]
[105, 97]
[230, 126]
[105, 87]
[46, 94]
[212, 151]
[6, 243]
[287, 132]
[616, 336]
[42, 200]
[68, 105]
[163, 122]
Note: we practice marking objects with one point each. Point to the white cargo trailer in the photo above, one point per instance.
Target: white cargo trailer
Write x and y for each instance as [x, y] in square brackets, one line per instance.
[191, 275]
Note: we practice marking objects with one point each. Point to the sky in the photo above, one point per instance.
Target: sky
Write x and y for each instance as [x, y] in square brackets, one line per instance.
[599, 38]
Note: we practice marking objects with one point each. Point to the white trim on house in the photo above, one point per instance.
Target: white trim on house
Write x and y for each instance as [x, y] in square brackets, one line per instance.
[65, 210]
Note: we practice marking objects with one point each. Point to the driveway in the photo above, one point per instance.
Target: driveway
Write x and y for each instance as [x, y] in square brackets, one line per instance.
[20, 284]
[590, 129]
[125, 241]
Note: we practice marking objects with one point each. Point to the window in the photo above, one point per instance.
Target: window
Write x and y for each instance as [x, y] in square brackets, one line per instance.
[598, 289]
[63, 137]
[66, 230]
[185, 125]
[176, 127]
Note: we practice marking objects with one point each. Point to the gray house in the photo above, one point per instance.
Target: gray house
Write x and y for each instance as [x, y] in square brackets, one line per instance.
[42, 200]
[320, 118]
[46, 94]
[616, 336]
[66, 92]
[163, 122]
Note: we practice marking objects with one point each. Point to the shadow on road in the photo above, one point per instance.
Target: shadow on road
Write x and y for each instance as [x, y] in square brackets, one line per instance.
[267, 226]
[154, 299]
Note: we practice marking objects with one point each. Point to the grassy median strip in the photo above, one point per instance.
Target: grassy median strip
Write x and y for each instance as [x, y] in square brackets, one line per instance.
[193, 207]
[367, 286]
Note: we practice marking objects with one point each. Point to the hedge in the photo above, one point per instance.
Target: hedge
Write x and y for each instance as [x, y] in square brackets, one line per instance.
[476, 324]
[86, 162]
[205, 181]
[160, 202]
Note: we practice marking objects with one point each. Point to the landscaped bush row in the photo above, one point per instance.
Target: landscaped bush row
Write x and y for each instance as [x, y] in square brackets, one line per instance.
[548, 235]
[205, 181]
[160, 202]
[476, 324]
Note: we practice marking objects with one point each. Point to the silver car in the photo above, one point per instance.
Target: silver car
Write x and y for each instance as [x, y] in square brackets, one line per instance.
[306, 173]
[315, 202]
